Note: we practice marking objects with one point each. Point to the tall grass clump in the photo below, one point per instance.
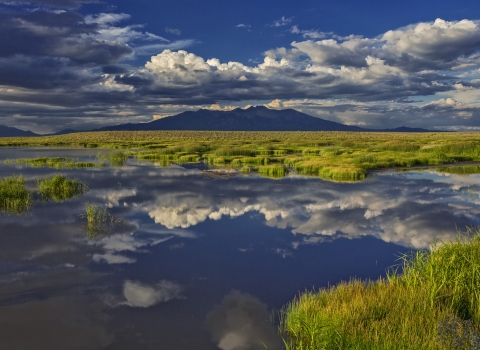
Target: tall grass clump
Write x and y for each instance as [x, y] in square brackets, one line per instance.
[60, 188]
[15, 198]
[433, 304]
[99, 220]
[461, 148]
[115, 159]
[275, 171]
[221, 152]
[451, 272]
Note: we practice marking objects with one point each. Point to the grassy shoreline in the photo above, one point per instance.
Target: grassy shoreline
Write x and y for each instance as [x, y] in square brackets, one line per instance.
[338, 156]
[434, 304]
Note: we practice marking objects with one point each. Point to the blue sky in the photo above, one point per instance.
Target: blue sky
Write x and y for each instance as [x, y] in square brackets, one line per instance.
[82, 63]
[214, 22]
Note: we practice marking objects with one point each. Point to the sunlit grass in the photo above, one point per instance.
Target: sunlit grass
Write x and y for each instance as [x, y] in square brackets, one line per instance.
[460, 170]
[433, 304]
[53, 162]
[274, 171]
[60, 188]
[15, 198]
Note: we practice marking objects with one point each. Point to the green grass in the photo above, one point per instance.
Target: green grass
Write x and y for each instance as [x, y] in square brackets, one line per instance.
[15, 198]
[116, 159]
[339, 156]
[274, 171]
[460, 170]
[99, 220]
[433, 304]
[53, 162]
[59, 188]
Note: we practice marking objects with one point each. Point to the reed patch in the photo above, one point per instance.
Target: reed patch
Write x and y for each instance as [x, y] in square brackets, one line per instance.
[15, 198]
[100, 221]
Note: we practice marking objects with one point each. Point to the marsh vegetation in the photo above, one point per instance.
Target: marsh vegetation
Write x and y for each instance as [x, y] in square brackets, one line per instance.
[116, 159]
[433, 304]
[15, 198]
[59, 188]
[53, 162]
[340, 156]
[99, 220]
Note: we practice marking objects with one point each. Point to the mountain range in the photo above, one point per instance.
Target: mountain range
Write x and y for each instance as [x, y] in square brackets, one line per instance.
[250, 119]
[7, 131]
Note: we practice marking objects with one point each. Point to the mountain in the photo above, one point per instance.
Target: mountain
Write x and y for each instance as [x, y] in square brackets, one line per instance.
[407, 129]
[7, 131]
[250, 119]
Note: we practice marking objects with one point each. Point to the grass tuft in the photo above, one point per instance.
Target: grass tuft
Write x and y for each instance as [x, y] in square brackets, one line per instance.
[99, 220]
[115, 159]
[15, 198]
[60, 188]
[433, 304]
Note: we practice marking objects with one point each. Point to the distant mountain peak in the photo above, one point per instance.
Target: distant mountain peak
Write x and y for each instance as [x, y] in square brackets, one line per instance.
[8, 131]
[254, 118]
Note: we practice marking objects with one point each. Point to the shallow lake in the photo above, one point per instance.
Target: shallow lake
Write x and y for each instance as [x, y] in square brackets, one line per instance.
[200, 261]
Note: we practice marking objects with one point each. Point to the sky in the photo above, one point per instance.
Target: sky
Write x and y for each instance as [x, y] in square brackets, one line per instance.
[84, 64]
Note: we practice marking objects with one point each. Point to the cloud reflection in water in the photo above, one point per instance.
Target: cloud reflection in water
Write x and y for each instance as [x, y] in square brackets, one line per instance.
[392, 208]
[166, 209]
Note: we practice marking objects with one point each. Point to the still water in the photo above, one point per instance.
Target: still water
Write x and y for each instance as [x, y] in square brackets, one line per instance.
[200, 262]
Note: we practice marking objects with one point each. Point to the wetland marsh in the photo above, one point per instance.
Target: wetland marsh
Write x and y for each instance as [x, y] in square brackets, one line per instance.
[338, 156]
[158, 245]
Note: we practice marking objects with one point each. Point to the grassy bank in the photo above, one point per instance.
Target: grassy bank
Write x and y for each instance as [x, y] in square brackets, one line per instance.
[341, 156]
[434, 304]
